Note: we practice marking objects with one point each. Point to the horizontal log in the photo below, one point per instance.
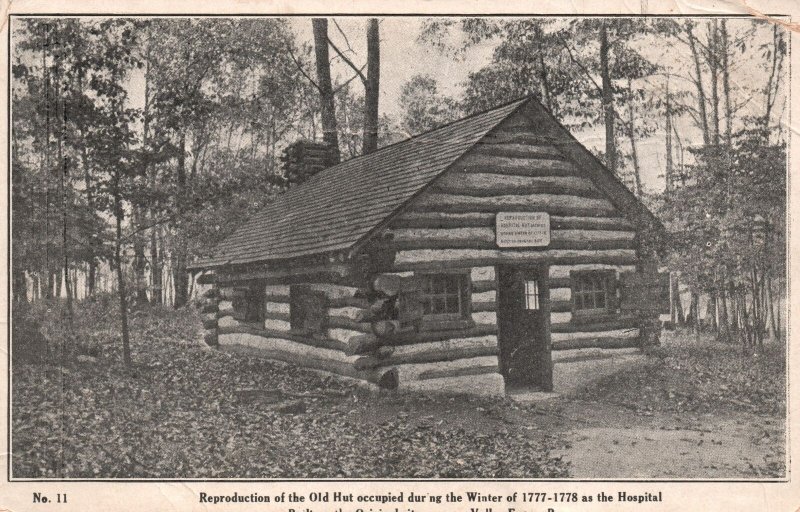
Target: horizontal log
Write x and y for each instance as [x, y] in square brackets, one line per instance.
[225, 312]
[550, 203]
[559, 271]
[230, 293]
[276, 315]
[342, 302]
[489, 385]
[607, 325]
[480, 184]
[227, 321]
[484, 306]
[432, 219]
[560, 306]
[359, 345]
[277, 307]
[387, 378]
[489, 296]
[477, 163]
[335, 291]
[511, 149]
[484, 317]
[278, 290]
[559, 282]
[560, 294]
[311, 341]
[225, 304]
[563, 317]
[285, 345]
[345, 335]
[277, 298]
[458, 372]
[425, 371]
[277, 324]
[447, 325]
[556, 337]
[484, 286]
[294, 353]
[346, 323]
[579, 222]
[520, 135]
[339, 274]
[409, 338]
[384, 328]
[431, 259]
[596, 343]
[482, 273]
[412, 219]
[436, 355]
[484, 238]
[349, 312]
[210, 316]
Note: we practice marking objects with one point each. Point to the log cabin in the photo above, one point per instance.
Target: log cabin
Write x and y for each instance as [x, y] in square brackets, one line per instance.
[464, 260]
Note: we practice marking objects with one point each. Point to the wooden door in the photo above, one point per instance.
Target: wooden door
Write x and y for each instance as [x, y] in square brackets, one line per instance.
[523, 319]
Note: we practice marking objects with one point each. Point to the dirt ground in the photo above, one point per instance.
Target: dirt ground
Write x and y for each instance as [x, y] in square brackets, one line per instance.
[600, 440]
[607, 441]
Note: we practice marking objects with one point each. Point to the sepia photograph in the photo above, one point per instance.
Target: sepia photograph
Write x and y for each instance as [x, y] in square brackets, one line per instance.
[418, 247]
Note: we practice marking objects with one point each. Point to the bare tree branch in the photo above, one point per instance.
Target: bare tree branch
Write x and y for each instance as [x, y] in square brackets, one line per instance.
[342, 86]
[348, 61]
[302, 71]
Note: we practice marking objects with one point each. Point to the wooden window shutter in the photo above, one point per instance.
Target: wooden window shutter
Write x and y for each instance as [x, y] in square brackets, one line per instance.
[640, 291]
[308, 309]
[409, 303]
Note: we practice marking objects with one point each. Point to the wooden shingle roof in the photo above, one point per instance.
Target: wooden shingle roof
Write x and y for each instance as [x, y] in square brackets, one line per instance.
[341, 205]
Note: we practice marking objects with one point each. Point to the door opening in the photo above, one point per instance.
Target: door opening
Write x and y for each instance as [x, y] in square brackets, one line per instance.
[523, 320]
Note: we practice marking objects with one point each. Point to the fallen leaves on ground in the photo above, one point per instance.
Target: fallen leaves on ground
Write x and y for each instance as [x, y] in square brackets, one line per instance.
[687, 374]
[180, 414]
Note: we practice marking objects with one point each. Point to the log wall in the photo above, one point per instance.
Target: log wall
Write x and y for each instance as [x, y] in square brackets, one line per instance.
[329, 351]
[452, 224]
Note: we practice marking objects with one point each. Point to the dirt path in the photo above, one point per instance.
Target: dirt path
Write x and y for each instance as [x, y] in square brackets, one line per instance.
[607, 441]
[601, 440]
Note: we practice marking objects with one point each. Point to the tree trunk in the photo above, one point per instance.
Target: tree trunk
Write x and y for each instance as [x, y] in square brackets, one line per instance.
[637, 171]
[698, 80]
[668, 145]
[155, 266]
[607, 100]
[139, 259]
[63, 192]
[713, 55]
[123, 298]
[726, 85]
[372, 87]
[330, 132]
[179, 274]
[20, 285]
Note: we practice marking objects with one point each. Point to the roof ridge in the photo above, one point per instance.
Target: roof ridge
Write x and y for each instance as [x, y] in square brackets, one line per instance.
[417, 136]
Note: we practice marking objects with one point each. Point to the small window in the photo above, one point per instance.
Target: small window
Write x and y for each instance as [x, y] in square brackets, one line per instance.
[593, 292]
[445, 296]
[532, 295]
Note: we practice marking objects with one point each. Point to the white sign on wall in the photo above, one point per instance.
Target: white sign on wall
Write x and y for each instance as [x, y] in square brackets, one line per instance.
[522, 229]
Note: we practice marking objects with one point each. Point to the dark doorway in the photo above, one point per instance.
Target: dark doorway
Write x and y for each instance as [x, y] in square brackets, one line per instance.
[523, 319]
